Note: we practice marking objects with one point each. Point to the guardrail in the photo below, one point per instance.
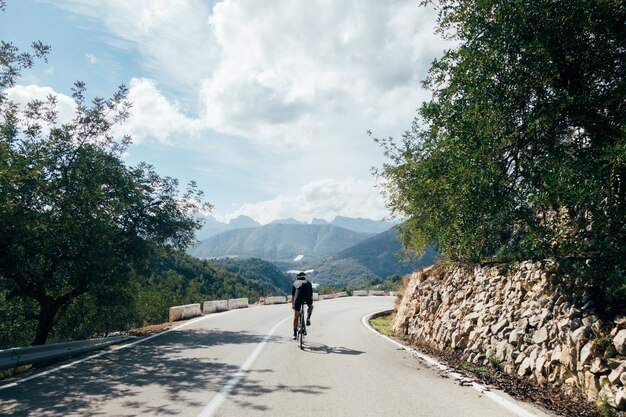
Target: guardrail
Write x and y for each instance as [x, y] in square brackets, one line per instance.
[14, 357]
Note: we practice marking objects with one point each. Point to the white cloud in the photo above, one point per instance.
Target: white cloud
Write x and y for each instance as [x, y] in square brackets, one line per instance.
[154, 116]
[293, 85]
[24, 94]
[91, 58]
[294, 71]
[171, 37]
[325, 199]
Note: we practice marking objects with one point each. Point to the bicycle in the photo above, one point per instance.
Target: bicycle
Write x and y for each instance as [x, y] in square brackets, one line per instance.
[301, 327]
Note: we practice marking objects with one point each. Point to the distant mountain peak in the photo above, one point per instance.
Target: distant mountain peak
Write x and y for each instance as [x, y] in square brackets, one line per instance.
[289, 220]
[242, 222]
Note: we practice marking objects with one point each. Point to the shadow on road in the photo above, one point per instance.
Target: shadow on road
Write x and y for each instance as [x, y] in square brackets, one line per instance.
[326, 350]
[178, 365]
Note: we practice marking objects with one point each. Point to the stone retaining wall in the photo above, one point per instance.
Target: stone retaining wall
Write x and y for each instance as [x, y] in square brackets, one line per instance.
[525, 320]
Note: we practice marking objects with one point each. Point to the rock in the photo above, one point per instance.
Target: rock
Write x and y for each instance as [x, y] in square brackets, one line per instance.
[585, 354]
[556, 355]
[563, 325]
[525, 368]
[514, 337]
[615, 376]
[540, 336]
[619, 341]
[495, 328]
[620, 399]
[613, 363]
[574, 313]
[599, 367]
[567, 357]
[579, 335]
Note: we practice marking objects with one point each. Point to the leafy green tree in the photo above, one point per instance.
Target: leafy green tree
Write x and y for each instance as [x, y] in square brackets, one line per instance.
[521, 152]
[74, 219]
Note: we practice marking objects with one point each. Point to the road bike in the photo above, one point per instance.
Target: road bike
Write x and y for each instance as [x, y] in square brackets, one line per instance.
[301, 327]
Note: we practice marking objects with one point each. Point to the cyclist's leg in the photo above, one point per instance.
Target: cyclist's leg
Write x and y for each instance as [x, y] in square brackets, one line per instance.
[296, 317]
[309, 311]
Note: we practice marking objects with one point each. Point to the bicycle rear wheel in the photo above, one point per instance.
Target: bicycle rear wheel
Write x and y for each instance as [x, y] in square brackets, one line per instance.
[302, 327]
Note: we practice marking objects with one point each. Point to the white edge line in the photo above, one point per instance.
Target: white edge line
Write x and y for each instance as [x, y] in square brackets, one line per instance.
[219, 398]
[512, 407]
[106, 352]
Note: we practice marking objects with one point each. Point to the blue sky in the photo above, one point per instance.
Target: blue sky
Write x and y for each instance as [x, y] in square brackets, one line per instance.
[265, 104]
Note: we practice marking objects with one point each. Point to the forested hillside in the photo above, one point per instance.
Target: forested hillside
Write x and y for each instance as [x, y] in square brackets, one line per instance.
[262, 272]
[382, 254]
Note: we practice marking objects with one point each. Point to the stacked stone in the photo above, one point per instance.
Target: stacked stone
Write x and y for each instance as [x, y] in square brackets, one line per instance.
[528, 321]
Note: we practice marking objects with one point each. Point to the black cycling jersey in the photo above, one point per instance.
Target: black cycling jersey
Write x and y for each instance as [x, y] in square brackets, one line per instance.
[302, 291]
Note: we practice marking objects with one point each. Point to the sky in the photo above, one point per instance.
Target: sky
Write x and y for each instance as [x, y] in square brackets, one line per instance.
[265, 104]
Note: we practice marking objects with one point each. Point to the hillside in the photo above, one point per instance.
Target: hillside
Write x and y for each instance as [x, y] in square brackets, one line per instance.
[279, 242]
[257, 270]
[380, 254]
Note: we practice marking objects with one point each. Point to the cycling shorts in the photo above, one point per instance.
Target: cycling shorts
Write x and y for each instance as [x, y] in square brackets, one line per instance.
[299, 301]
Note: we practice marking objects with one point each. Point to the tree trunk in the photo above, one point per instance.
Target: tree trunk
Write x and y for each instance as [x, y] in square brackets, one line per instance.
[48, 308]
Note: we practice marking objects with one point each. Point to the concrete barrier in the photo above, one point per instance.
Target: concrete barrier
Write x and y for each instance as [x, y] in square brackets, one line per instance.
[235, 303]
[316, 296]
[289, 297]
[184, 312]
[280, 299]
[376, 292]
[359, 293]
[393, 293]
[215, 306]
[341, 294]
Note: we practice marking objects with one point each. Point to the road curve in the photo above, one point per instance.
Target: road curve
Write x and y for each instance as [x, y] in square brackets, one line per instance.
[244, 363]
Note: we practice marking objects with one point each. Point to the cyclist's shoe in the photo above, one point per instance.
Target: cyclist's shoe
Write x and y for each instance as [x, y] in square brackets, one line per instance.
[295, 335]
[308, 322]
[304, 333]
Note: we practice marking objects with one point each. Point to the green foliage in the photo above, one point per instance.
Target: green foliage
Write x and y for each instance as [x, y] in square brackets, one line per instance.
[171, 278]
[521, 153]
[258, 270]
[391, 283]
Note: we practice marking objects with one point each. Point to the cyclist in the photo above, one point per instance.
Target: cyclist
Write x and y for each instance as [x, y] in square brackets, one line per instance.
[301, 292]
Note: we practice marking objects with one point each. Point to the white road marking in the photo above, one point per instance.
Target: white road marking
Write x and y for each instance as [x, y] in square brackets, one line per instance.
[217, 401]
[105, 352]
[512, 407]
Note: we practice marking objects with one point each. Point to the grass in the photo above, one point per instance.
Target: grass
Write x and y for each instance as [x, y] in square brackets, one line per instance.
[382, 324]
[10, 373]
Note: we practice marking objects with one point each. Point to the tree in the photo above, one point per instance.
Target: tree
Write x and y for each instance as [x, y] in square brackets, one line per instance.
[521, 153]
[74, 219]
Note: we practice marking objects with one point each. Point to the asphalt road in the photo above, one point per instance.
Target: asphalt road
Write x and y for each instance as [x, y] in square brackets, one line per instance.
[244, 363]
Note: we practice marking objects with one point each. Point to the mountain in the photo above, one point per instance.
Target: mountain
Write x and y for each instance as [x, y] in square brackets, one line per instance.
[290, 220]
[380, 254]
[265, 273]
[279, 242]
[212, 226]
[362, 225]
[370, 261]
[241, 222]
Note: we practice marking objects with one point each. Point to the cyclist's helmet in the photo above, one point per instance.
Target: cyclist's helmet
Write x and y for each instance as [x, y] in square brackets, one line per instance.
[301, 275]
